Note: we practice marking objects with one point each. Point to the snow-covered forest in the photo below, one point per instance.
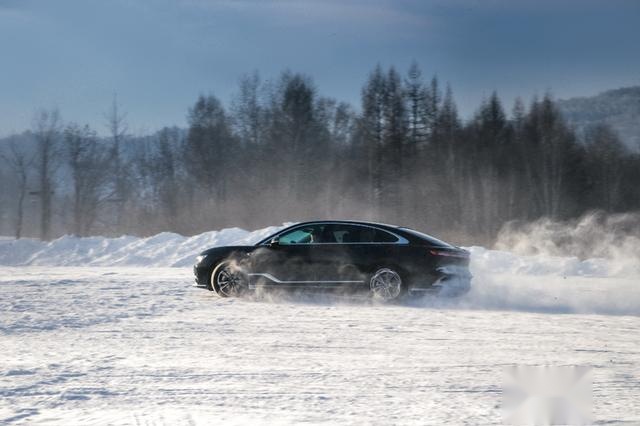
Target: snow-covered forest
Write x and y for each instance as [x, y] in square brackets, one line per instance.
[281, 151]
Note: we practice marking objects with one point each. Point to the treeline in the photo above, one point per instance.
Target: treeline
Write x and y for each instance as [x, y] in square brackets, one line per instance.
[281, 152]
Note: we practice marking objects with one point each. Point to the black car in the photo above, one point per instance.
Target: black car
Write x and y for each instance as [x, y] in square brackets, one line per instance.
[386, 261]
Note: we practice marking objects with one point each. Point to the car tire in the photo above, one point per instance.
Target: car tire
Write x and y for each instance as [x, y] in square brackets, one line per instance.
[228, 280]
[386, 284]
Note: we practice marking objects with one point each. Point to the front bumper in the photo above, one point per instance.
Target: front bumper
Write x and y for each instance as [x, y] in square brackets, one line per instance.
[201, 276]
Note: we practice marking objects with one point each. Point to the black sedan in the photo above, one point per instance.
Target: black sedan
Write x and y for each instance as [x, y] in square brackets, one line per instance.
[383, 260]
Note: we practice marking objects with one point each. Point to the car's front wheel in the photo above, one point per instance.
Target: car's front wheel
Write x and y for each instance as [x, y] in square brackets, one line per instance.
[386, 284]
[228, 280]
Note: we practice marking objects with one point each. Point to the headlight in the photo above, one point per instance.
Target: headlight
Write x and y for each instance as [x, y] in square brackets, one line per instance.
[200, 258]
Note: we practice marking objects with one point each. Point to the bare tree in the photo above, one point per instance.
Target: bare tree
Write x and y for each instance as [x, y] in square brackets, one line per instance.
[549, 142]
[46, 128]
[210, 140]
[159, 168]
[372, 126]
[395, 135]
[20, 162]
[116, 122]
[247, 110]
[606, 154]
[87, 160]
[417, 98]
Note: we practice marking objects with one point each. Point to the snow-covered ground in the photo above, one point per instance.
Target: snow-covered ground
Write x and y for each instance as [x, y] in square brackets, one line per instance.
[129, 341]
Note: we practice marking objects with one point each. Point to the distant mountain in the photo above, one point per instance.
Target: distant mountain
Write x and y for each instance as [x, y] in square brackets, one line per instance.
[620, 108]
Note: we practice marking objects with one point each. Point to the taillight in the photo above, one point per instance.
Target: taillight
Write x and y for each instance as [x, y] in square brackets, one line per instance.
[459, 254]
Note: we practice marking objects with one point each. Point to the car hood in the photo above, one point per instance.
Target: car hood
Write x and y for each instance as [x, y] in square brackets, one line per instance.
[226, 249]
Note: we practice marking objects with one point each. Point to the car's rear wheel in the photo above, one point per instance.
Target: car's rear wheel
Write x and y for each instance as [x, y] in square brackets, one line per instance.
[229, 280]
[385, 284]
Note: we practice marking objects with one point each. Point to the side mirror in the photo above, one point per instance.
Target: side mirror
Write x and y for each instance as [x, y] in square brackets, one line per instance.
[275, 241]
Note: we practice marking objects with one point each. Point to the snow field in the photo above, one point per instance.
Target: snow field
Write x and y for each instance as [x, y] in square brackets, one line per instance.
[130, 341]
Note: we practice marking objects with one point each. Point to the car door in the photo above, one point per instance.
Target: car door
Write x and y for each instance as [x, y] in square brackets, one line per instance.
[354, 251]
[328, 257]
[331, 257]
[288, 261]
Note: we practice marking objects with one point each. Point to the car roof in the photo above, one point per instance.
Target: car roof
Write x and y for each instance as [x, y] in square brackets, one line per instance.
[353, 222]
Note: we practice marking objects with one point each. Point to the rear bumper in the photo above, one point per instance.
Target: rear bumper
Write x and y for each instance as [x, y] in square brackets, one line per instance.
[446, 279]
[453, 281]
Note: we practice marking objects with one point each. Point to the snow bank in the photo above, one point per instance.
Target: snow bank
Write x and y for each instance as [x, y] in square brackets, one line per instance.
[165, 249]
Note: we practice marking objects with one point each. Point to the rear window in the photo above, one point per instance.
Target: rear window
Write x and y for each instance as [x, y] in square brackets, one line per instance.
[428, 238]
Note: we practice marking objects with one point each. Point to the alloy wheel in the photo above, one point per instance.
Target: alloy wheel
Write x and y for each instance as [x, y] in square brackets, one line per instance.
[230, 282]
[386, 284]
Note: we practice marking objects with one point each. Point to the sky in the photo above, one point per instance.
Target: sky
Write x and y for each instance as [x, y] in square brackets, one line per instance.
[157, 56]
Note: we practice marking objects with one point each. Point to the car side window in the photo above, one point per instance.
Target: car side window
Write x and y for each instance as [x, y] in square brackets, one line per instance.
[336, 233]
[374, 235]
[360, 234]
[384, 237]
[304, 235]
